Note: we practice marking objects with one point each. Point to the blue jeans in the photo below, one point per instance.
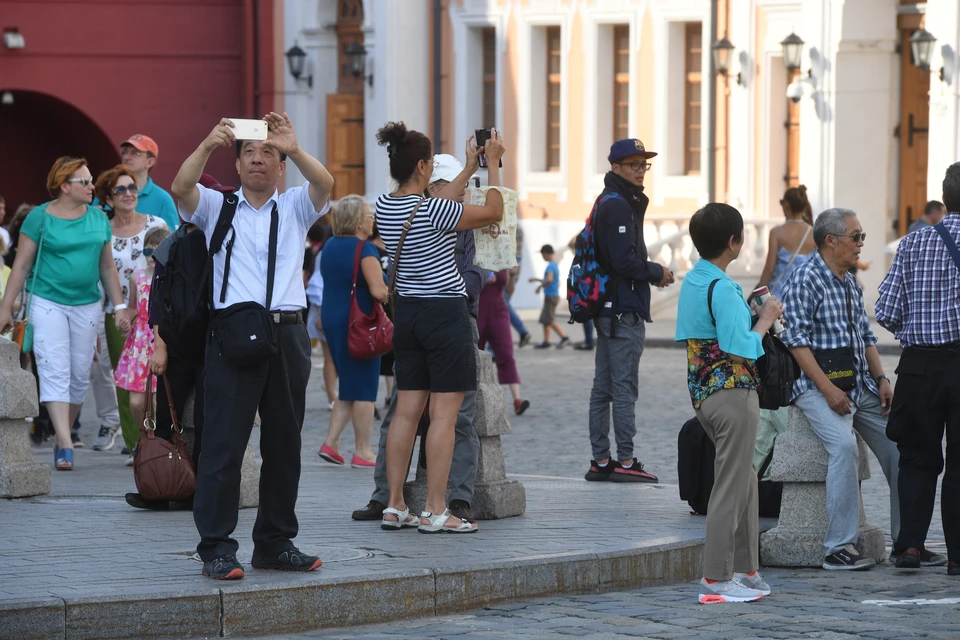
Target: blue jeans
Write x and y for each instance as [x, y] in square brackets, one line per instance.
[515, 320]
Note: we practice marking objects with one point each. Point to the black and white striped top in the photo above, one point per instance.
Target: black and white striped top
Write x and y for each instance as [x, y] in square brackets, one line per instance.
[427, 266]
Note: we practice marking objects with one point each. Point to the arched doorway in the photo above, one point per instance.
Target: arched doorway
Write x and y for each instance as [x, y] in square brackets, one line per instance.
[36, 129]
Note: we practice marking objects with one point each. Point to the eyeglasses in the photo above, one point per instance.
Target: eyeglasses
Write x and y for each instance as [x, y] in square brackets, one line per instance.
[637, 166]
[84, 181]
[857, 237]
[147, 252]
[125, 189]
[130, 151]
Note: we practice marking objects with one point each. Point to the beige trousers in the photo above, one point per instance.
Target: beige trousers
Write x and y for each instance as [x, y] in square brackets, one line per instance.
[730, 417]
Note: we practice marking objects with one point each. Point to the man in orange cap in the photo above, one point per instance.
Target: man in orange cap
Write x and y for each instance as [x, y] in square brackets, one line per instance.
[140, 153]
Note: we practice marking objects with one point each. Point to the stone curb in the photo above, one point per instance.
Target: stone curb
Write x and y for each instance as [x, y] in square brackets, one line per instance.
[667, 343]
[235, 611]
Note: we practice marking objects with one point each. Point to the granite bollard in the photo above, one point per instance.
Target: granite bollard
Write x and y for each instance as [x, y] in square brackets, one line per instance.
[249, 471]
[800, 463]
[494, 496]
[20, 475]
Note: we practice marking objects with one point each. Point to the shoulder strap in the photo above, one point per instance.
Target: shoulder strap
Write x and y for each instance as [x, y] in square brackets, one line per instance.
[175, 424]
[710, 289]
[766, 463]
[224, 224]
[948, 240]
[392, 291]
[36, 268]
[271, 256]
[774, 284]
[357, 255]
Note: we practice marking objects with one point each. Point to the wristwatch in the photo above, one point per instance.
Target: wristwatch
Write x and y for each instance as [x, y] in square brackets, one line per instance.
[881, 377]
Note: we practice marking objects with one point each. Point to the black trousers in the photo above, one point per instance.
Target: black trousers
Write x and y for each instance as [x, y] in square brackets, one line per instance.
[278, 388]
[926, 403]
[184, 376]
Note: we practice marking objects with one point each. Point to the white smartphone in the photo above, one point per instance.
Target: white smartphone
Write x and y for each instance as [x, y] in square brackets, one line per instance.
[245, 129]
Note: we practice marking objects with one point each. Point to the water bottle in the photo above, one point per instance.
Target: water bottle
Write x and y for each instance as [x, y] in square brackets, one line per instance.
[762, 294]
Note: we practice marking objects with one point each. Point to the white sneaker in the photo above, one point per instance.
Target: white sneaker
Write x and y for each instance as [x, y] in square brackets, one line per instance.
[755, 581]
[730, 591]
[106, 438]
[130, 461]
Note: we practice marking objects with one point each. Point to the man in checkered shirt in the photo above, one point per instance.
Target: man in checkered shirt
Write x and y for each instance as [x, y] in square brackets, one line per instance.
[823, 307]
[920, 303]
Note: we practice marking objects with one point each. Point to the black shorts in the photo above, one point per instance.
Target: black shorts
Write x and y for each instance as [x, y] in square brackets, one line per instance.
[433, 345]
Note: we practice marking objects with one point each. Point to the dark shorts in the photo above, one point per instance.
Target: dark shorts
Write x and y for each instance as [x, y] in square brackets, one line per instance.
[549, 312]
[433, 345]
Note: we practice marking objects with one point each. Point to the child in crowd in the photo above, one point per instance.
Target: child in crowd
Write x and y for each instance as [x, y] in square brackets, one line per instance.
[550, 285]
[131, 373]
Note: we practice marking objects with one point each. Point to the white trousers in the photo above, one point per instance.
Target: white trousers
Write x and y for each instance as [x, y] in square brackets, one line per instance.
[101, 382]
[64, 339]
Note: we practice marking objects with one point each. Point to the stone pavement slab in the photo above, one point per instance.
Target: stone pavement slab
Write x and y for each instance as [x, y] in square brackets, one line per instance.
[82, 545]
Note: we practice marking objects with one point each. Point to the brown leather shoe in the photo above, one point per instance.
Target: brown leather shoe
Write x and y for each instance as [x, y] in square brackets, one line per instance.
[908, 559]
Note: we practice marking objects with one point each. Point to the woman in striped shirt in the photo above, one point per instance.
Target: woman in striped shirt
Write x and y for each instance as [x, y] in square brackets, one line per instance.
[433, 340]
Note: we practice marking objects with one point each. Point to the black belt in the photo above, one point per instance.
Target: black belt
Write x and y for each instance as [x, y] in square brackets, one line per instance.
[286, 317]
[940, 351]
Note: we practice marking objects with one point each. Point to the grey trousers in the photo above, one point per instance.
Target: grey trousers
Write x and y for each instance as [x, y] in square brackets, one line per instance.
[731, 417]
[466, 446]
[615, 383]
[836, 433]
[102, 384]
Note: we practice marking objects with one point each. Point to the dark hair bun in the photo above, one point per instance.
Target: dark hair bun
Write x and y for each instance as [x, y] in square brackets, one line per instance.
[392, 136]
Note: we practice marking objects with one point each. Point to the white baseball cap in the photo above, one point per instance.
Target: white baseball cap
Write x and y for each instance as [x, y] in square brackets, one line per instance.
[445, 167]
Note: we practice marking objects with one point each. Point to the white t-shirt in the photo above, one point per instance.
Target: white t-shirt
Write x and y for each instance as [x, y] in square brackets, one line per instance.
[427, 268]
[128, 257]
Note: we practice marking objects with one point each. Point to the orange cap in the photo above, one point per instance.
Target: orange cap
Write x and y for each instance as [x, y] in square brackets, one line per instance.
[143, 143]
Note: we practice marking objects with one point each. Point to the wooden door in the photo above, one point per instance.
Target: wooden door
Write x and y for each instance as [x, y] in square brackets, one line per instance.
[914, 120]
[345, 158]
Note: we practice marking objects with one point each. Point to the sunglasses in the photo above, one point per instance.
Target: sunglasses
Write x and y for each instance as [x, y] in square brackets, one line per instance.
[84, 181]
[125, 189]
[147, 252]
[856, 237]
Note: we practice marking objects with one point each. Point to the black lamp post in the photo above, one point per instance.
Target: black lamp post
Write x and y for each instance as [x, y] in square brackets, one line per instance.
[792, 51]
[296, 60]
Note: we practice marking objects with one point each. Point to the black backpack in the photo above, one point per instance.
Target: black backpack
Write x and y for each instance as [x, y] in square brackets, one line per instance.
[184, 288]
[777, 369]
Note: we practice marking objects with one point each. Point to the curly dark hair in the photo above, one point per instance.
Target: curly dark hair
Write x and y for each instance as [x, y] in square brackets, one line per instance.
[405, 148]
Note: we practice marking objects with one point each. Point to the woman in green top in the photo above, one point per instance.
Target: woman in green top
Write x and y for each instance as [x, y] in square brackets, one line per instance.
[63, 253]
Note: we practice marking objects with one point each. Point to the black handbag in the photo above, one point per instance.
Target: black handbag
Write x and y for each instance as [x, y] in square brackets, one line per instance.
[839, 364]
[245, 331]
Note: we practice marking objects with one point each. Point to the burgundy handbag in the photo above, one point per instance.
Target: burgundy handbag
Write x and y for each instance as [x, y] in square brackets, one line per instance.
[368, 335]
[163, 470]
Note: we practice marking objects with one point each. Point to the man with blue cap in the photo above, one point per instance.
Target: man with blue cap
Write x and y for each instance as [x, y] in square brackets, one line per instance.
[621, 251]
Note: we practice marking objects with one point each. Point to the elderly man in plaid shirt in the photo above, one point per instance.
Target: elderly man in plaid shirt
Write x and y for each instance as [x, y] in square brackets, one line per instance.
[824, 310]
[920, 303]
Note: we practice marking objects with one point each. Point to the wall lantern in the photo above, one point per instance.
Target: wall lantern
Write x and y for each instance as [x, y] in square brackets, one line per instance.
[722, 52]
[792, 52]
[357, 54]
[13, 39]
[296, 60]
[921, 45]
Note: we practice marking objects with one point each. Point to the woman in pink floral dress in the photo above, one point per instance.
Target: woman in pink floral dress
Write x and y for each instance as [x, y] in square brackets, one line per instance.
[131, 372]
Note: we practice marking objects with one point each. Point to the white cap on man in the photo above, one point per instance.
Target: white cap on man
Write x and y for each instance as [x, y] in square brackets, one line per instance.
[445, 167]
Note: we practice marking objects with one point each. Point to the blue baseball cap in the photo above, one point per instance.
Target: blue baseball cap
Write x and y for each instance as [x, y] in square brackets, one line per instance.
[628, 147]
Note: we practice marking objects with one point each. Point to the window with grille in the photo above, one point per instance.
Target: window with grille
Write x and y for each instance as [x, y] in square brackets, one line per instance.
[621, 82]
[489, 77]
[553, 98]
[692, 98]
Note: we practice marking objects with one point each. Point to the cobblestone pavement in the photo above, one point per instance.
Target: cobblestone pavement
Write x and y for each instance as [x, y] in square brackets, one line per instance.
[805, 603]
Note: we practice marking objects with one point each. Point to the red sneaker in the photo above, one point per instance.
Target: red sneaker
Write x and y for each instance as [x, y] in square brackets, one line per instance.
[327, 453]
[633, 473]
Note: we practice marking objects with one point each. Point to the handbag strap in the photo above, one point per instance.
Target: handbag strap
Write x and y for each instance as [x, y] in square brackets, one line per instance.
[948, 240]
[357, 255]
[392, 290]
[175, 424]
[786, 269]
[36, 267]
[149, 416]
[713, 285]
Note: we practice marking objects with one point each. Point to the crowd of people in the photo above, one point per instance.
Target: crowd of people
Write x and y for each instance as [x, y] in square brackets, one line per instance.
[89, 271]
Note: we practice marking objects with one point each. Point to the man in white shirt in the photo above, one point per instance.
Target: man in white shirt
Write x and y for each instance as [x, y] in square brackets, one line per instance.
[275, 385]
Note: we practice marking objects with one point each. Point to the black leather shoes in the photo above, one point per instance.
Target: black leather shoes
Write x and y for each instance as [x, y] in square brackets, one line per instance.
[289, 560]
[953, 569]
[137, 501]
[908, 559]
[461, 509]
[373, 511]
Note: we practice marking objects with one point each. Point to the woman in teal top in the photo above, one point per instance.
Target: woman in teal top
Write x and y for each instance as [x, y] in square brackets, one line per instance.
[723, 344]
[63, 253]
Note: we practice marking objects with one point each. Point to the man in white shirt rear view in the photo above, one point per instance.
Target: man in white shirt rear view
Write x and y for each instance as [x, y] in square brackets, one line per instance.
[277, 385]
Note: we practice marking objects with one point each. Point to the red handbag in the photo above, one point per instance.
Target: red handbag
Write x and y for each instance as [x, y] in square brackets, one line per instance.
[368, 335]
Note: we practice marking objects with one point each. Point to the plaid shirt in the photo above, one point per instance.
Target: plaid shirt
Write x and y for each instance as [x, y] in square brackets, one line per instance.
[815, 310]
[920, 297]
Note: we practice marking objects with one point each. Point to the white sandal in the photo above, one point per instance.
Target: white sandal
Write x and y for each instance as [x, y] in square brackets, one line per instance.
[403, 519]
[438, 524]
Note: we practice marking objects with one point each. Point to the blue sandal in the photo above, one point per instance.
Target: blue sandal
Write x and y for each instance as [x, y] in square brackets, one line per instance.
[63, 458]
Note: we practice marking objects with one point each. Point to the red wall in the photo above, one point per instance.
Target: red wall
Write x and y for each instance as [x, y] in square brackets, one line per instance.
[168, 69]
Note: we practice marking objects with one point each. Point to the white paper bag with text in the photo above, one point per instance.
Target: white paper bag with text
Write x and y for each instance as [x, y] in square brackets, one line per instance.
[497, 243]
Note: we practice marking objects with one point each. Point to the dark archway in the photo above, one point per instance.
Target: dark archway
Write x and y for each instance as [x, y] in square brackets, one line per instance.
[37, 129]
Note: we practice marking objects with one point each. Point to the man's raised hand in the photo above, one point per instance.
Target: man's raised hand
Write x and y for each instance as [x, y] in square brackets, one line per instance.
[221, 136]
[281, 134]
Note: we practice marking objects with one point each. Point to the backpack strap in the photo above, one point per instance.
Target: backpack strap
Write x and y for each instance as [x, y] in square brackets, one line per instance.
[766, 463]
[710, 289]
[614, 280]
[224, 224]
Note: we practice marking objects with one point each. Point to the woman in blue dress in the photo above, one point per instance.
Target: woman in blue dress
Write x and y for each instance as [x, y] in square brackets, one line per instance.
[791, 243]
[359, 379]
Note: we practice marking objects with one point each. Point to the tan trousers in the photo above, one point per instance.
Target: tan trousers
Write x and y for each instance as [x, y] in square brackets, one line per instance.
[730, 417]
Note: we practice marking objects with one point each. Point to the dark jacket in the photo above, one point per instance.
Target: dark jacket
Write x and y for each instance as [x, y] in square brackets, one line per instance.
[619, 224]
